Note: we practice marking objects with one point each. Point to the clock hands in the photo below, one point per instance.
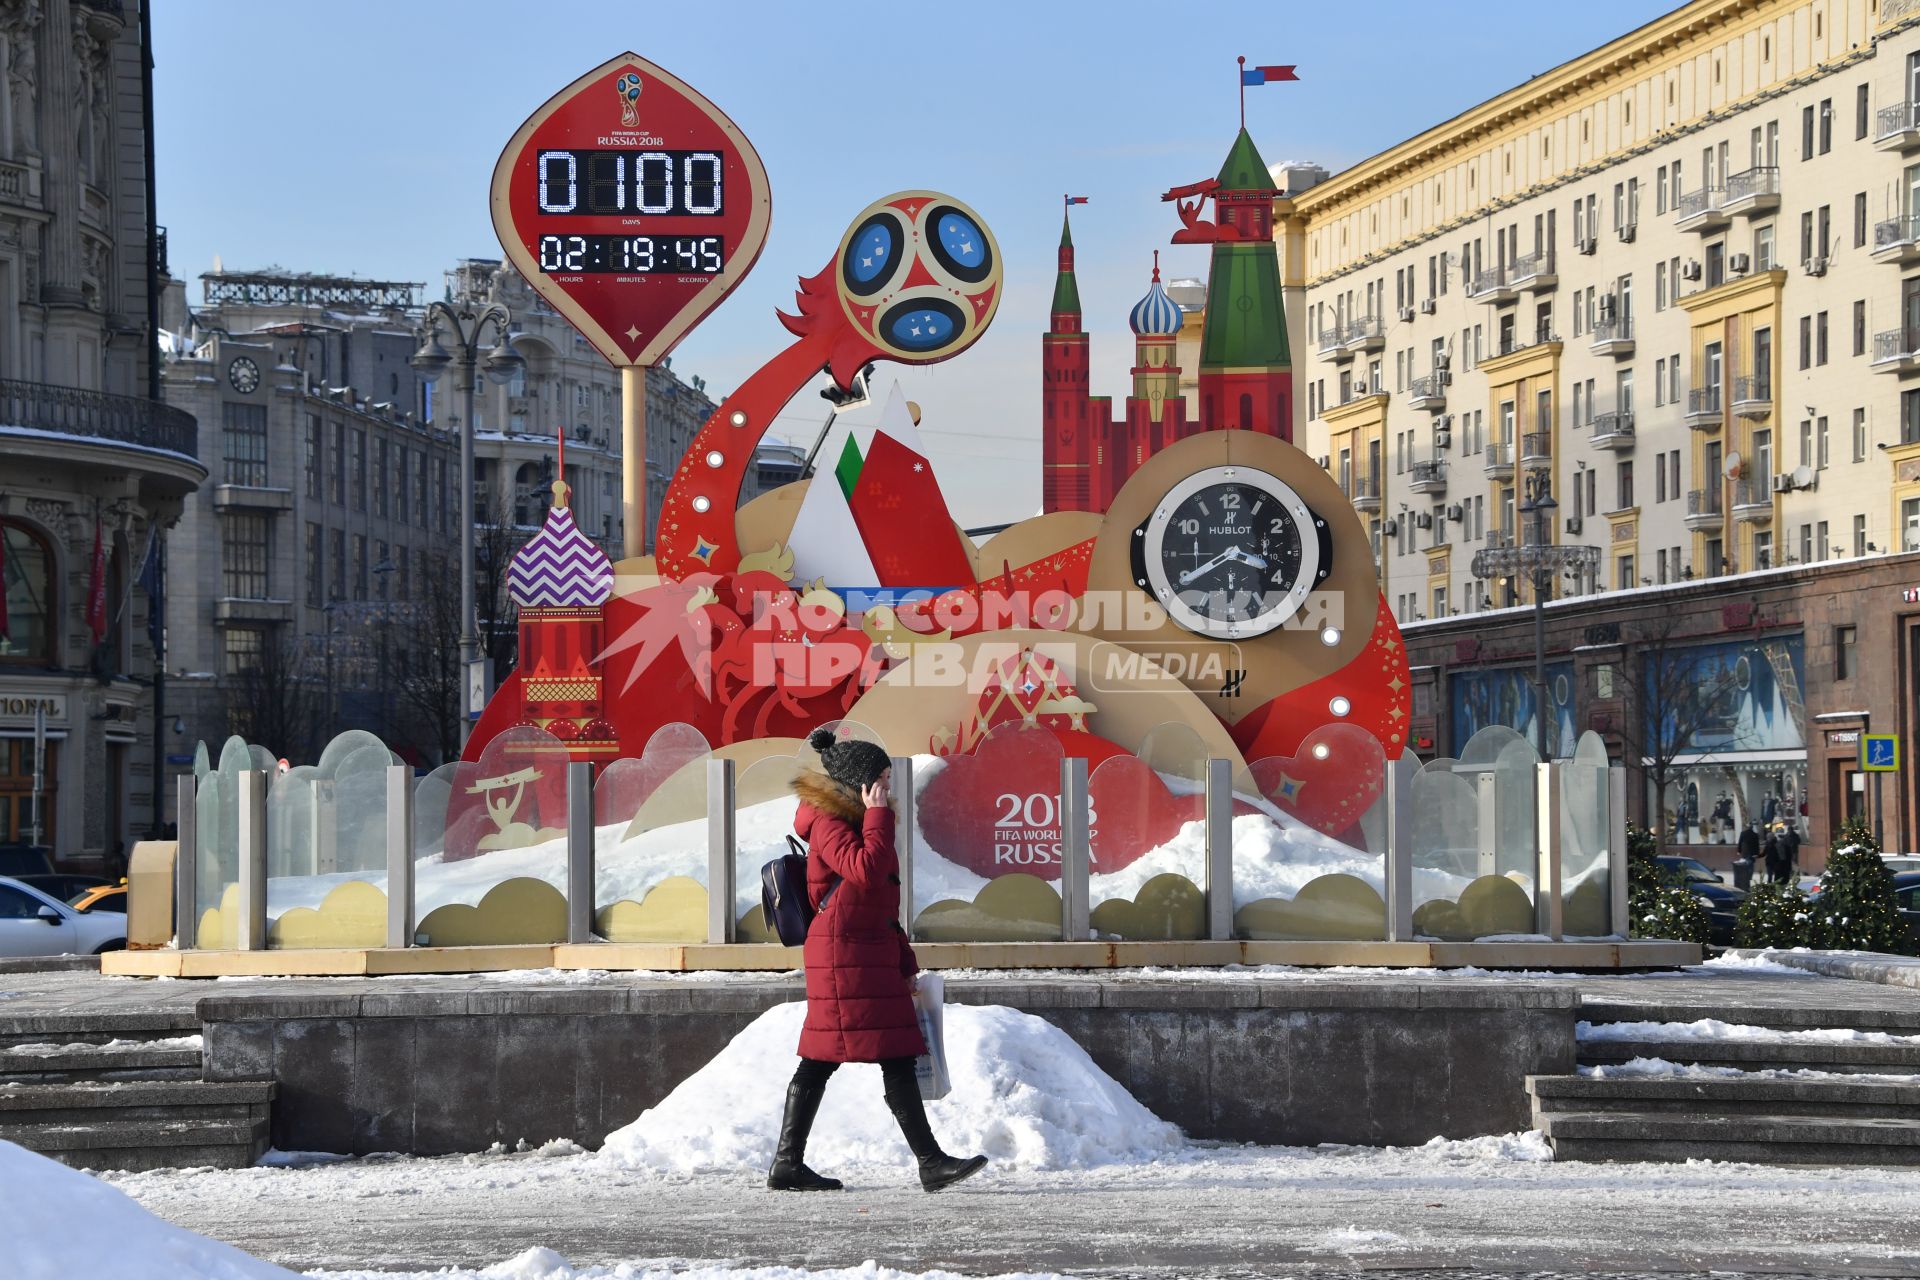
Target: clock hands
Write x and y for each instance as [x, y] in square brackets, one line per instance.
[1230, 554]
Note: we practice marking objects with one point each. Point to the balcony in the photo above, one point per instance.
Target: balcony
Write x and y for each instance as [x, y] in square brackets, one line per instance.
[1499, 460]
[1703, 408]
[1364, 491]
[1752, 192]
[1753, 396]
[1897, 240]
[124, 432]
[1700, 210]
[1365, 334]
[1427, 477]
[1897, 351]
[1429, 393]
[244, 611]
[1333, 344]
[251, 497]
[1703, 509]
[1613, 337]
[1536, 447]
[1534, 273]
[1753, 500]
[1613, 430]
[1492, 286]
[1897, 128]
[1498, 538]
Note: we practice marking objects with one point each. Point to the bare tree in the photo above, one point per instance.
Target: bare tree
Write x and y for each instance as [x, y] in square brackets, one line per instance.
[426, 664]
[275, 702]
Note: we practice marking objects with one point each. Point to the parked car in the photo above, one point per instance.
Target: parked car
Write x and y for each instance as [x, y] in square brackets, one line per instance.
[1898, 862]
[61, 886]
[25, 860]
[1694, 870]
[101, 897]
[1721, 899]
[1906, 896]
[33, 923]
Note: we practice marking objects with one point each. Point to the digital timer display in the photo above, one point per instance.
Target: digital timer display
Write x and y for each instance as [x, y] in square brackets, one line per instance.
[633, 255]
[611, 183]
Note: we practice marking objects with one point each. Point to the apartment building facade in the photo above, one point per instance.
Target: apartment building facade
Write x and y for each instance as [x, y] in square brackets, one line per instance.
[1675, 285]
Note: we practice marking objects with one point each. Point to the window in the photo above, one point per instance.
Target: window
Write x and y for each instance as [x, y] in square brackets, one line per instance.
[1659, 382]
[1712, 371]
[337, 570]
[246, 548]
[1623, 485]
[1763, 363]
[402, 489]
[1763, 549]
[1861, 110]
[1820, 442]
[28, 581]
[1627, 579]
[1660, 561]
[1826, 125]
[1820, 338]
[243, 442]
[1659, 290]
[1806, 442]
[1859, 435]
[1716, 264]
[315, 460]
[359, 566]
[1909, 417]
[316, 568]
[1910, 524]
[1806, 235]
[1860, 327]
[242, 646]
[1660, 485]
[357, 477]
[1820, 540]
[337, 461]
[1806, 342]
[1763, 248]
[1844, 640]
[1660, 189]
[1859, 535]
[380, 490]
[1673, 472]
[1859, 219]
[1806, 133]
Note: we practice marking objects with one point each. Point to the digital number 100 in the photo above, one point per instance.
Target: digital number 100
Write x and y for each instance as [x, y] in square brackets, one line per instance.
[615, 182]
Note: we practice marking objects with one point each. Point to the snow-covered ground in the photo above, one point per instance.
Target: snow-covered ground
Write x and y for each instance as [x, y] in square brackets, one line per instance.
[540, 1263]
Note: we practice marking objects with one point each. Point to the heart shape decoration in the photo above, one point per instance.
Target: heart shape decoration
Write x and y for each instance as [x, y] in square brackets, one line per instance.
[1328, 783]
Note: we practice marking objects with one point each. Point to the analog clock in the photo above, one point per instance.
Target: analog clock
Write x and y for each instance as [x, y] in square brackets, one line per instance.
[244, 374]
[1231, 552]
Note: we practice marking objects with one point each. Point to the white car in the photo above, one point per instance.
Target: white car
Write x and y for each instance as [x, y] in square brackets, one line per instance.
[33, 924]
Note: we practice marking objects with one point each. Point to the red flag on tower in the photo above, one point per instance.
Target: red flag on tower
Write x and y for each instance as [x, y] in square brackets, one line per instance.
[97, 587]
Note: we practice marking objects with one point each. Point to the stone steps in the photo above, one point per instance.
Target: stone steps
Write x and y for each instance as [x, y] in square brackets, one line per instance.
[1900, 1021]
[74, 1064]
[1757, 1055]
[140, 1100]
[1726, 1096]
[151, 1144]
[96, 1028]
[1759, 1139]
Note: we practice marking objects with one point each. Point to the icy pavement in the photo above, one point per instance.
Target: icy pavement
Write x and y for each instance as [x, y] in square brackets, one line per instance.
[1491, 1204]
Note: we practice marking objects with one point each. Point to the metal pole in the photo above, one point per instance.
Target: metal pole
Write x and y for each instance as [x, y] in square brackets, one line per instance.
[580, 851]
[1540, 663]
[1399, 876]
[903, 841]
[1618, 920]
[721, 924]
[158, 629]
[1546, 878]
[250, 931]
[1219, 811]
[469, 637]
[186, 866]
[399, 855]
[1076, 849]
[633, 458]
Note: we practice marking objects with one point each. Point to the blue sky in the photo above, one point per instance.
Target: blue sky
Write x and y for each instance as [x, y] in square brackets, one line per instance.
[358, 138]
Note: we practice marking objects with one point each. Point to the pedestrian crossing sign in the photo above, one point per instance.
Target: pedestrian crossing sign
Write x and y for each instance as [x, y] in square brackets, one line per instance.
[1880, 752]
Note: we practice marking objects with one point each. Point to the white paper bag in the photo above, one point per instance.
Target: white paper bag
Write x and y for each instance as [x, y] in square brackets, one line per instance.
[930, 1068]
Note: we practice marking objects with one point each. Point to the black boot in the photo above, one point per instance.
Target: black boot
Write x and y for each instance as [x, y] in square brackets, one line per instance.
[790, 1172]
[938, 1170]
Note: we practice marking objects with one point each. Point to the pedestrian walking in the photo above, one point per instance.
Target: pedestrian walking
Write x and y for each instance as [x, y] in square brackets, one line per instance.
[1749, 854]
[860, 968]
[1775, 852]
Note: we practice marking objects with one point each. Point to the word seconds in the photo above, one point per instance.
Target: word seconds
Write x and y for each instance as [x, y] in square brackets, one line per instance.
[633, 255]
[617, 182]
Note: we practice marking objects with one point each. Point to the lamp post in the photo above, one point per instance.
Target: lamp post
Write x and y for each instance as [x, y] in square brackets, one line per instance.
[466, 325]
[1540, 560]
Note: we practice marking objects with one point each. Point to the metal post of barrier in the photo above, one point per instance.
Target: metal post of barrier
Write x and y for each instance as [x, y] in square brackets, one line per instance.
[720, 853]
[580, 851]
[903, 839]
[1399, 877]
[186, 862]
[1076, 849]
[1487, 791]
[1219, 811]
[1546, 879]
[1618, 920]
[250, 931]
[326, 828]
[399, 855]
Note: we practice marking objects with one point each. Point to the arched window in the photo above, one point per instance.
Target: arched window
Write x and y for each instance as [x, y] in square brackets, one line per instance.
[28, 624]
[1246, 412]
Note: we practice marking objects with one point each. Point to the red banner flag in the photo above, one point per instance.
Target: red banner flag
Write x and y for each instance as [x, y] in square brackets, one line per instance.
[3, 582]
[97, 588]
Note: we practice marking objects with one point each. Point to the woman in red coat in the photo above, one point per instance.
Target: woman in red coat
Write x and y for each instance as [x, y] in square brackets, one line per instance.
[860, 970]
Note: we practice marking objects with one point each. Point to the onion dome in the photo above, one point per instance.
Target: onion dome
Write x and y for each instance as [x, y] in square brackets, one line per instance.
[559, 566]
[1156, 315]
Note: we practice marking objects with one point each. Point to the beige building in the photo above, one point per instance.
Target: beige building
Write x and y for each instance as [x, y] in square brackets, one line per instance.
[1679, 276]
[88, 457]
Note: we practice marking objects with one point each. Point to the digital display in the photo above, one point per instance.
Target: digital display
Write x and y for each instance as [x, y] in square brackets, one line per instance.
[611, 183]
[562, 255]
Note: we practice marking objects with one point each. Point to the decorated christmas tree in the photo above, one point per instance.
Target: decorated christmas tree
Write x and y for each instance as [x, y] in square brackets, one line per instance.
[1774, 915]
[1855, 909]
[1658, 901]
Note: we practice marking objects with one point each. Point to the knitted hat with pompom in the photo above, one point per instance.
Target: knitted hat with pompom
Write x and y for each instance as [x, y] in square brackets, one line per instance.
[850, 762]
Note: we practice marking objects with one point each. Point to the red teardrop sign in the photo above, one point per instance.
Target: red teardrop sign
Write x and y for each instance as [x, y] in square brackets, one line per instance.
[632, 205]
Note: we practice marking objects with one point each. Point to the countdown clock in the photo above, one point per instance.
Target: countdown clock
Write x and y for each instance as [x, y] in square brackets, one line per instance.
[632, 205]
[1231, 552]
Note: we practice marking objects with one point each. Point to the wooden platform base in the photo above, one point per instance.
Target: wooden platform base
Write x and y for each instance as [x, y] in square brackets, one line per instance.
[690, 957]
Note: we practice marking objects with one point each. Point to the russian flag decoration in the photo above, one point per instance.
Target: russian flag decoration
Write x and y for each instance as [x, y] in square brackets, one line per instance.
[1265, 75]
[97, 587]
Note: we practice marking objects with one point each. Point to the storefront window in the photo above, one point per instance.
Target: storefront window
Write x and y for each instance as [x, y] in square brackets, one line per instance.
[26, 568]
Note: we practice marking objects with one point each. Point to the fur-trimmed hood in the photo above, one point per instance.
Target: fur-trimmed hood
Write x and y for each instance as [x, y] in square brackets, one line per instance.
[833, 799]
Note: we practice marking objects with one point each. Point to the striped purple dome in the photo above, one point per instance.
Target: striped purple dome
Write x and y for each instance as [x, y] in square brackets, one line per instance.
[559, 566]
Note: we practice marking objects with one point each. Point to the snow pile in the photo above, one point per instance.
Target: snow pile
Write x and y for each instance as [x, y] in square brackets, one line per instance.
[545, 1264]
[1754, 962]
[1662, 1068]
[1024, 1094]
[1714, 1029]
[1527, 1148]
[57, 1223]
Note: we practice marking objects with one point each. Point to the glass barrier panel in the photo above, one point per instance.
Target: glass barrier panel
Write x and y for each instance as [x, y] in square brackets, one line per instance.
[1147, 817]
[499, 873]
[1474, 840]
[327, 848]
[986, 849]
[1309, 843]
[1585, 831]
[217, 841]
[764, 808]
[650, 842]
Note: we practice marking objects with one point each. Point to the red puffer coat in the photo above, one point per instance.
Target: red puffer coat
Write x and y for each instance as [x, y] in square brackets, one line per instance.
[859, 966]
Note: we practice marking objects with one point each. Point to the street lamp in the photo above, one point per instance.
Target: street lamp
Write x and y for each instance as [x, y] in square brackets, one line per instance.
[466, 324]
[1541, 561]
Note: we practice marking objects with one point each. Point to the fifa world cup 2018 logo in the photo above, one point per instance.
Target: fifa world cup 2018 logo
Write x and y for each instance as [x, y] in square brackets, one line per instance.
[627, 87]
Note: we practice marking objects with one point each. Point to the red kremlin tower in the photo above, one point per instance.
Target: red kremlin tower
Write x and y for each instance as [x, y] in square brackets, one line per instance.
[1245, 374]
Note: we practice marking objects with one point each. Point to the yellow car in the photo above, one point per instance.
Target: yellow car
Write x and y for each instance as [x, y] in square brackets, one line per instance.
[102, 897]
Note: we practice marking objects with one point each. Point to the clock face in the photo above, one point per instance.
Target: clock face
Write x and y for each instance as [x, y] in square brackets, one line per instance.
[1231, 552]
[244, 374]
